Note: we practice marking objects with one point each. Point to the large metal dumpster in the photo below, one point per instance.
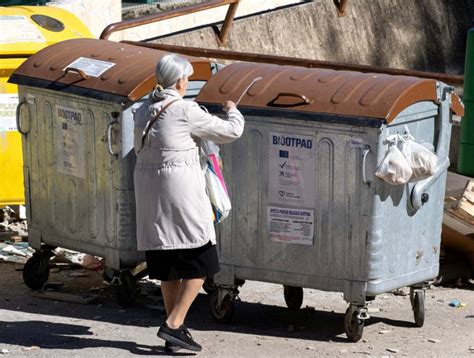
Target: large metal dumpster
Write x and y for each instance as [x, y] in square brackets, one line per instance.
[75, 114]
[307, 208]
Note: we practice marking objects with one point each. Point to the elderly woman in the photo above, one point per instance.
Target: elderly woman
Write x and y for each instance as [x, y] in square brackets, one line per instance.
[174, 216]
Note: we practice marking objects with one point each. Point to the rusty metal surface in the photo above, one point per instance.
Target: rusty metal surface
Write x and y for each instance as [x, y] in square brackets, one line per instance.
[226, 26]
[144, 20]
[292, 61]
[341, 6]
[457, 106]
[132, 76]
[314, 90]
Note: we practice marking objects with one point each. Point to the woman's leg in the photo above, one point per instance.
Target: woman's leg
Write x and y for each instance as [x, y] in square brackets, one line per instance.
[188, 290]
[170, 291]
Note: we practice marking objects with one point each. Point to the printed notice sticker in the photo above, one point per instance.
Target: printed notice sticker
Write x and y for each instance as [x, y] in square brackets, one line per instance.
[292, 169]
[69, 141]
[8, 103]
[91, 67]
[18, 28]
[291, 188]
[295, 226]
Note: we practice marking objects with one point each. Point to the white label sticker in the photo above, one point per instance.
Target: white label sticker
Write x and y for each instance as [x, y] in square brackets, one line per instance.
[292, 170]
[292, 188]
[295, 226]
[70, 141]
[8, 103]
[91, 67]
[18, 28]
[355, 143]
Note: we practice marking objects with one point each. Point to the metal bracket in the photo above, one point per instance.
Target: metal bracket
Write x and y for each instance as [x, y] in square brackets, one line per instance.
[223, 291]
[363, 313]
[116, 279]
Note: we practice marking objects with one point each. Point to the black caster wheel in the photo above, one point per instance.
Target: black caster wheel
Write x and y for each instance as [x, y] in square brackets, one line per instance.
[125, 288]
[417, 298]
[209, 286]
[36, 270]
[353, 325]
[225, 312]
[293, 297]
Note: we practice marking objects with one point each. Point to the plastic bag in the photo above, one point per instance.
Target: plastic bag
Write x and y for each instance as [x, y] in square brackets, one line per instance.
[394, 168]
[422, 161]
[215, 184]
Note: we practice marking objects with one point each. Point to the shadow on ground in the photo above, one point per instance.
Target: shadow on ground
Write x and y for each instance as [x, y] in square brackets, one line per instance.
[250, 318]
[48, 335]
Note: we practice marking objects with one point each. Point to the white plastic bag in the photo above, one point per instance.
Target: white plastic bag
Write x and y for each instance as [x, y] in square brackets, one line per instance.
[219, 198]
[422, 161]
[215, 184]
[394, 168]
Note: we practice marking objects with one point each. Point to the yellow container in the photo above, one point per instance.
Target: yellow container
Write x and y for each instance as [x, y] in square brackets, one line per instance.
[25, 31]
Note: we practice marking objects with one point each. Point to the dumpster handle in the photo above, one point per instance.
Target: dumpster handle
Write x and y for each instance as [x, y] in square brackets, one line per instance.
[109, 137]
[18, 124]
[305, 99]
[78, 71]
[419, 195]
[365, 152]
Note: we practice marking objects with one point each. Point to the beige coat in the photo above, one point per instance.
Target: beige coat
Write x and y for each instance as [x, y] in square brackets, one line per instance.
[172, 207]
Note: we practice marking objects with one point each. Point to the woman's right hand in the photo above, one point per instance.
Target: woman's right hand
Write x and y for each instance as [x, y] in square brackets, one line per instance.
[228, 105]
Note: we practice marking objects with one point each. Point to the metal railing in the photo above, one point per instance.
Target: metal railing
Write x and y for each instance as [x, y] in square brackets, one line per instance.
[457, 80]
[149, 19]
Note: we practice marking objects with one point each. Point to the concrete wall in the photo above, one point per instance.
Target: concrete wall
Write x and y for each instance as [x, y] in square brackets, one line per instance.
[182, 23]
[427, 35]
[423, 34]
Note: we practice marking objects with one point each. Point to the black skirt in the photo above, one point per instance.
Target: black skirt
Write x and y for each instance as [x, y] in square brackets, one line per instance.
[170, 265]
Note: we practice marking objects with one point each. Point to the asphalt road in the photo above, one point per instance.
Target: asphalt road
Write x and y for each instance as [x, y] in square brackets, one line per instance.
[262, 325]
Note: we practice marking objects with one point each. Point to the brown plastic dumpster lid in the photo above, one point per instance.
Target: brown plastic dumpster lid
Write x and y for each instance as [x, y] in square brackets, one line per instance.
[118, 72]
[362, 95]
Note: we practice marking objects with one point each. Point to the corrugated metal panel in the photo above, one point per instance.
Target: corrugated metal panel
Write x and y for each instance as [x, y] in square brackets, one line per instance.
[318, 90]
[131, 76]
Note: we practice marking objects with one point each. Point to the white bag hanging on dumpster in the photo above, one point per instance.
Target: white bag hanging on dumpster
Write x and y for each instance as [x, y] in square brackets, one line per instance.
[394, 168]
[422, 161]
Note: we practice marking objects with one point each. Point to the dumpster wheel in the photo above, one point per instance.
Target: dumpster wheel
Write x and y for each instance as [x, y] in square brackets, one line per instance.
[125, 288]
[417, 299]
[223, 312]
[36, 270]
[354, 326]
[209, 286]
[293, 297]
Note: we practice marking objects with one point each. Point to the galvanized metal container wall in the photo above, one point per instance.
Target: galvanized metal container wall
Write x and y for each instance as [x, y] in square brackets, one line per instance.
[342, 207]
[404, 241]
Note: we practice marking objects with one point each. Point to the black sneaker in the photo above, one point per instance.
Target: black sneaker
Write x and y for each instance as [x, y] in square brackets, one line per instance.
[171, 348]
[179, 337]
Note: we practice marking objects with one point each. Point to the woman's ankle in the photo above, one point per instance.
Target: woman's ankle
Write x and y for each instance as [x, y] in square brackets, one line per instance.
[173, 324]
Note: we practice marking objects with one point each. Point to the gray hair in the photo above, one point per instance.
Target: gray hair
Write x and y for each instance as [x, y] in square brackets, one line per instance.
[168, 71]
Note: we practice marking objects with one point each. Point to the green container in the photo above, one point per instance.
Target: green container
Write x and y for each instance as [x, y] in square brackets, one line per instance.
[466, 148]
